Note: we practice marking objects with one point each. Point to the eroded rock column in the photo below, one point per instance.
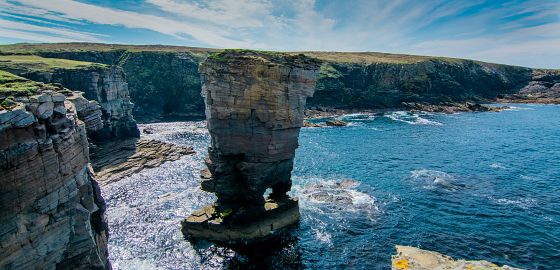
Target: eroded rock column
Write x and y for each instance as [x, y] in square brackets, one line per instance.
[254, 107]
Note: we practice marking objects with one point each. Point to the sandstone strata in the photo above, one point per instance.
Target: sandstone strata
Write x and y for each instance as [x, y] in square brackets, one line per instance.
[51, 209]
[411, 258]
[254, 107]
[118, 159]
[105, 84]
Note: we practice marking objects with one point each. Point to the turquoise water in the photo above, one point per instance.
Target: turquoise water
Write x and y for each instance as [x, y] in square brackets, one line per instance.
[470, 185]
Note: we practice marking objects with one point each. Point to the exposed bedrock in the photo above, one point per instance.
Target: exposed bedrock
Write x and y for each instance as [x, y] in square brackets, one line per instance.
[51, 209]
[105, 84]
[162, 83]
[544, 88]
[164, 80]
[254, 107]
[412, 258]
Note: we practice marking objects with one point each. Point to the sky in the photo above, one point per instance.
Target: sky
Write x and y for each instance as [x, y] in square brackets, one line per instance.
[517, 32]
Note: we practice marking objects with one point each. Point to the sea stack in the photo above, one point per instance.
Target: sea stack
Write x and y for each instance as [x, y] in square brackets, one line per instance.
[254, 107]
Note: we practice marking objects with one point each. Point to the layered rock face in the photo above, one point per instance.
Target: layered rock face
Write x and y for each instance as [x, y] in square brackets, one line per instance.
[161, 83]
[51, 209]
[164, 80]
[254, 107]
[106, 85]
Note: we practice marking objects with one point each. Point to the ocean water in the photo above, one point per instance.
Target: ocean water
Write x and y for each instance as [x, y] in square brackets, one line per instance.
[482, 186]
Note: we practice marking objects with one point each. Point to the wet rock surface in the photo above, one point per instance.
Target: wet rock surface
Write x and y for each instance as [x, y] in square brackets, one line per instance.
[417, 259]
[51, 209]
[335, 123]
[254, 107]
[115, 160]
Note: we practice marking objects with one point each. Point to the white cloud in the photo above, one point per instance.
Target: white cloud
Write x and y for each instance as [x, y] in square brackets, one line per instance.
[33, 36]
[60, 32]
[536, 46]
[101, 15]
[233, 14]
[435, 27]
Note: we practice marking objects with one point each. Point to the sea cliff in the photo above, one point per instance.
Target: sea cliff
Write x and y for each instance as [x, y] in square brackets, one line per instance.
[102, 83]
[51, 208]
[164, 81]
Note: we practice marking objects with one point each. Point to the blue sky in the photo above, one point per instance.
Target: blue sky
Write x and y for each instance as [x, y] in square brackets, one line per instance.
[518, 32]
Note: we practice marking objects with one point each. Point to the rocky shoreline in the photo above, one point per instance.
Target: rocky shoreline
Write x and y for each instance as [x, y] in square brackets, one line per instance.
[115, 160]
[411, 258]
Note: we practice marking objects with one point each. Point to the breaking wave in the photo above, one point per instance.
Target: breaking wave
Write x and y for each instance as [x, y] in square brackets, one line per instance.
[432, 179]
[412, 118]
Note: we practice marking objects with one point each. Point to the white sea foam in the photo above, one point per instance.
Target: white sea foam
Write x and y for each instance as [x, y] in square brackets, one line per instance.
[528, 177]
[497, 166]
[136, 264]
[432, 179]
[357, 117]
[411, 118]
[341, 195]
[323, 236]
[519, 202]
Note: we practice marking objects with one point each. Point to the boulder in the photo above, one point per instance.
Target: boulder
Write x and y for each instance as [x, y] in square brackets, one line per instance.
[336, 123]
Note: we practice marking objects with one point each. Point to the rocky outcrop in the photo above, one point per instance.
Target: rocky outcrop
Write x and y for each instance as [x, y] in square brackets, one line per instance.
[254, 108]
[118, 159]
[544, 88]
[108, 86]
[336, 123]
[51, 209]
[451, 107]
[163, 81]
[411, 258]
[105, 84]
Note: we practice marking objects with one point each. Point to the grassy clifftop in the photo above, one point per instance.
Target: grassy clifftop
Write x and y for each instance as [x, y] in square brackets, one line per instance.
[34, 48]
[164, 80]
[41, 64]
[13, 85]
[340, 57]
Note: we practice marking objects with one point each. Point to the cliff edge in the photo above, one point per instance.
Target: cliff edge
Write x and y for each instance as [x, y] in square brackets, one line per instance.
[51, 208]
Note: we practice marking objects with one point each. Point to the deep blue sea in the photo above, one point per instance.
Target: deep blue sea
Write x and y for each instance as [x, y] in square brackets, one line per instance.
[482, 186]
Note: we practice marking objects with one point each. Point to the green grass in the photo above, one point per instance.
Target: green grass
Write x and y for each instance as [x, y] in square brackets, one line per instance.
[13, 85]
[201, 53]
[33, 48]
[375, 57]
[36, 63]
[328, 71]
[222, 55]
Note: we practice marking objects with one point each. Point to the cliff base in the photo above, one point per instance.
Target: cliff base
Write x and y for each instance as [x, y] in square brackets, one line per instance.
[209, 224]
